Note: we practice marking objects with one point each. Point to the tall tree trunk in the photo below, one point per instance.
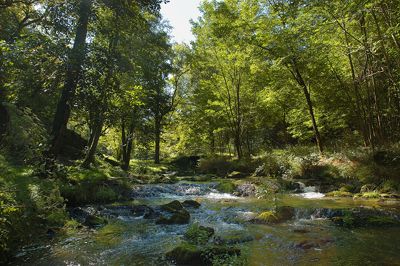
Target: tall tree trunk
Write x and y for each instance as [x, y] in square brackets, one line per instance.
[127, 144]
[75, 61]
[157, 135]
[299, 78]
[96, 133]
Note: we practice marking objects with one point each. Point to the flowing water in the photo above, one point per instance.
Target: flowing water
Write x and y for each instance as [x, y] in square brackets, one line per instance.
[308, 239]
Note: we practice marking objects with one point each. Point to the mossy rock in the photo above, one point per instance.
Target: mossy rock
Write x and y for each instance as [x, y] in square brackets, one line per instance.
[281, 214]
[226, 187]
[95, 221]
[199, 234]
[339, 194]
[191, 204]
[173, 206]
[368, 195]
[210, 252]
[236, 175]
[179, 217]
[185, 254]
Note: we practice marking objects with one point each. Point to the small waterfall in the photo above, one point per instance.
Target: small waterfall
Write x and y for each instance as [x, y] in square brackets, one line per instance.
[309, 192]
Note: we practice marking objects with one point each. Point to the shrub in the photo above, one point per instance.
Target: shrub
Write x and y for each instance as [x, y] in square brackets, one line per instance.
[216, 165]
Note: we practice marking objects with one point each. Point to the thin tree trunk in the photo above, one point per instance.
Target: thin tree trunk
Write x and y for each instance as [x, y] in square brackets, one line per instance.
[75, 62]
[89, 158]
[299, 78]
[127, 144]
[157, 135]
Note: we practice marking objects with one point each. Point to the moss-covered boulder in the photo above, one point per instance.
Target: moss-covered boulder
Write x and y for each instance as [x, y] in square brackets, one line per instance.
[95, 221]
[226, 187]
[281, 214]
[173, 206]
[185, 254]
[199, 235]
[178, 217]
[339, 194]
[191, 204]
[365, 218]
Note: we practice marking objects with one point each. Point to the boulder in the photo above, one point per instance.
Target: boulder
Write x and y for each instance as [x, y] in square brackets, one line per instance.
[173, 206]
[94, 221]
[199, 234]
[178, 217]
[246, 190]
[191, 204]
[185, 254]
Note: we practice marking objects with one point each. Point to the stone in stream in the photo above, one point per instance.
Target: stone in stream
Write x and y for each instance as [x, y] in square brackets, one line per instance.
[173, 206]
[281, 214]
[178, 217]
[191, 204]
[95, 221]
[187, 254]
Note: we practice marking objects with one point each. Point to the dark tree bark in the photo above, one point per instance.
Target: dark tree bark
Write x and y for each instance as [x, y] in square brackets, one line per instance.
[299, 78]
[127, 143]
[94, 140]
[157, 135]
[75, 62]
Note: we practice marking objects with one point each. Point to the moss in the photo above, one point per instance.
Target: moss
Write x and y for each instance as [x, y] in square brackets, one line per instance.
[267, 217]
[226, 187]
[185, 254]
[179, 217]
[382, 221]
[339, 194]
[368, 195]
[95, 221]
[198, 235]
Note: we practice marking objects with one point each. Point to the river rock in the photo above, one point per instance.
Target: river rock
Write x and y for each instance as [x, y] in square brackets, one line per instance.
[173, 206]
[185, 254]
[95, 221]
[246, 190]
[191, 204]
[178, 217]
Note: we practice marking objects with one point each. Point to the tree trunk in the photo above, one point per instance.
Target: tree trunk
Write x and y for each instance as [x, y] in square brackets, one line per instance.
[299, 78]
[157, 135]
[75, 62]
[96, 133]
[127, 144]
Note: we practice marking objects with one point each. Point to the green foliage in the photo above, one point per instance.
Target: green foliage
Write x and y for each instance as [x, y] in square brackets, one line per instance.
[198, 235]
[226, 187]
[26, 138]
[216, 165]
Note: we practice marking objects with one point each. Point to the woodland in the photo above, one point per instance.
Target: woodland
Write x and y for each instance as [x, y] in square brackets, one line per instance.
[271, 98]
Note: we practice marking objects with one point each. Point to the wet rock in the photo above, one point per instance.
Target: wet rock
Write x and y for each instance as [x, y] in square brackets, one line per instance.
[80, 214]
[186, 254]
[281, 214]
[143, 210]
[285, 213]
[191, 204]
[308, 244]
[217, 250]
[199, 234]
[246, 190]
[178, 217]
[226, 187]
[362, 217]
[173, 206]
[95, 221]
[233, 240]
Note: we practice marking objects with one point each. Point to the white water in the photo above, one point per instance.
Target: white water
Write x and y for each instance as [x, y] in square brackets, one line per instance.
[309, 192]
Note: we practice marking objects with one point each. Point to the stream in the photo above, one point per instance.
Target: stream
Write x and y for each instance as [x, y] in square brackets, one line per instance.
[310, 238]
